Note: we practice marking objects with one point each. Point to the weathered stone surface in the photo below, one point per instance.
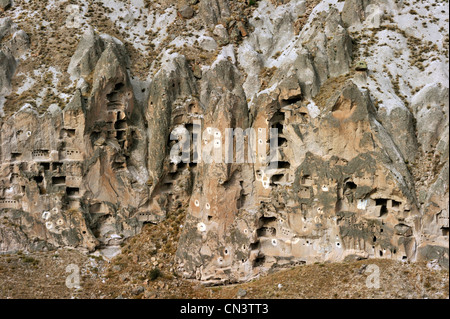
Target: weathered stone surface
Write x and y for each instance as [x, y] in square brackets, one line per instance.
[433, 252]
[330, 45]
[217, 196]
[347, 177]
[241, 293]
[89, 51]
[290, 89]
[12, 240]
[354, 11]
[320, 198]
[7, 61]
[214, 11]
[187, 12]
[5, 26]
[221, 32]
[20, 43]
[400, 124]
[87, 54]
[75, 181]
[431, 108]
[7, 68]
[14, 44]
[171, 104]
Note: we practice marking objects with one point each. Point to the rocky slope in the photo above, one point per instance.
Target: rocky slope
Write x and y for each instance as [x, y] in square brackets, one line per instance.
[43, 275]
[95, 97]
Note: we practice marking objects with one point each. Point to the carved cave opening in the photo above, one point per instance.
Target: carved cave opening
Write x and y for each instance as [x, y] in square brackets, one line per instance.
[72, 191]
[58, 180]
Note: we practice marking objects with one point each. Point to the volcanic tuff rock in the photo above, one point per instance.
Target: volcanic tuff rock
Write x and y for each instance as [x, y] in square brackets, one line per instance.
[361, 164]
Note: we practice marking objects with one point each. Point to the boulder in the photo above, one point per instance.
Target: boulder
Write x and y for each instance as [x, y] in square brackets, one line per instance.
[186, 12]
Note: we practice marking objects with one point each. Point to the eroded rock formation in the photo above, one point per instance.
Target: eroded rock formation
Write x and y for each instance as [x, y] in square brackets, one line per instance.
[350, 176]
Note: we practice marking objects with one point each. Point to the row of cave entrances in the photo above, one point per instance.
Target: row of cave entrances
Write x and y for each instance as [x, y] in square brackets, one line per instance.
[52, 168]
[282, 166]
[57, 181]
[116, 123]
[266, 229]
[44, 155]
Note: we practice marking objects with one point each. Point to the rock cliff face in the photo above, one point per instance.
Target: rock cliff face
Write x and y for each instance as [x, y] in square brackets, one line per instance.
[141, 126]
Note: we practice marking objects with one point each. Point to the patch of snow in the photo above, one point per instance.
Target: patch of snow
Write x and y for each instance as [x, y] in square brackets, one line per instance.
[406, 20]
[273, 26]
